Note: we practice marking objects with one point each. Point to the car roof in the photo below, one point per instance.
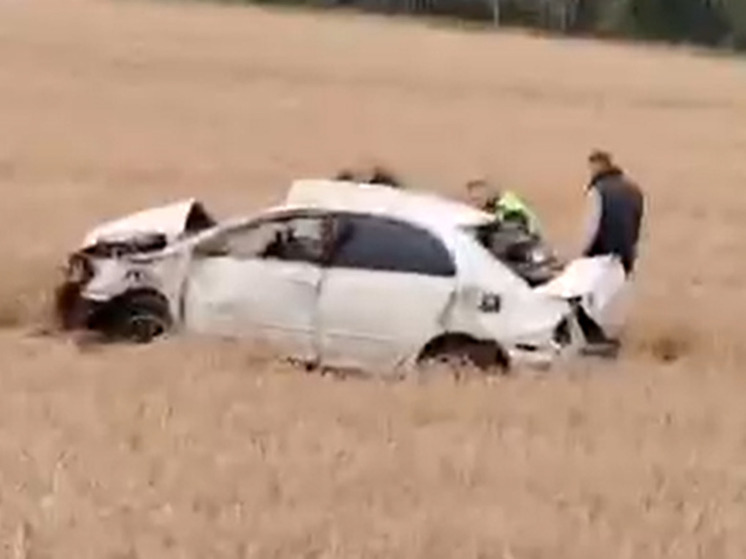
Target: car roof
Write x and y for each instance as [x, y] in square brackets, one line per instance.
[422, 208]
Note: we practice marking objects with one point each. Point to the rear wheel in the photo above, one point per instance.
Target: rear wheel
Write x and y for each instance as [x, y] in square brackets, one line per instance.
[458, 355]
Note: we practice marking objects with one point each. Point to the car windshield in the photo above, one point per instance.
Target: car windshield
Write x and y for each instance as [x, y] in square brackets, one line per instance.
[523, 252]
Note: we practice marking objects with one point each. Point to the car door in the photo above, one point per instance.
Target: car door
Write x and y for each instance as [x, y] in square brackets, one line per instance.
[260, 281]
[386, 290]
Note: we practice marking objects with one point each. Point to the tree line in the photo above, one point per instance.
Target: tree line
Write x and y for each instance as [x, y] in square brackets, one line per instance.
[720, 23]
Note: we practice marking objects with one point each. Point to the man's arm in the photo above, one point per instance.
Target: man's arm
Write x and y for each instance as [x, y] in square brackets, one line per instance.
[592, 219]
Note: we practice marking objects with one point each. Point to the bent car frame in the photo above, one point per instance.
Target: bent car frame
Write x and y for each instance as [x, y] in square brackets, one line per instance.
[342, 275]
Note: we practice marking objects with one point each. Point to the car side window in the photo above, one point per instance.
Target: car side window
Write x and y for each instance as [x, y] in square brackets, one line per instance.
[299, 239]
[374, 243]
[296, 239]
[245, 242]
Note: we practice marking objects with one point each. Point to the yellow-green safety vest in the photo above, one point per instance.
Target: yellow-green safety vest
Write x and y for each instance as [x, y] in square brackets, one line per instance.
[510, 203]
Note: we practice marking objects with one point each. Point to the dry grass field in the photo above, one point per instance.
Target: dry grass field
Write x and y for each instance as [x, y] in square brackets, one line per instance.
[195, 449]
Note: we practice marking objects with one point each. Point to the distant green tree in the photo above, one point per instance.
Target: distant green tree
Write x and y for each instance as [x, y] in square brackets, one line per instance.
[710, 22]
[700, 21]
[736, 10]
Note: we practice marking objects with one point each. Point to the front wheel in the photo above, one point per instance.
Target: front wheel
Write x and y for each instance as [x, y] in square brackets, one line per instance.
[138, 318]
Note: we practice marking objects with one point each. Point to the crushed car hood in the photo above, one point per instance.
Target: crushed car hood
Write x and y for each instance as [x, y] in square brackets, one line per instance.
[171, 220]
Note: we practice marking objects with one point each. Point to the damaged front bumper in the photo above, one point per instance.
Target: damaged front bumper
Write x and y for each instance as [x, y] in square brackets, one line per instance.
[72, 311]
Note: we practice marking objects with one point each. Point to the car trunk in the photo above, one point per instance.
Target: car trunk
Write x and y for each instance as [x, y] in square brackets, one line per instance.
[524, 253]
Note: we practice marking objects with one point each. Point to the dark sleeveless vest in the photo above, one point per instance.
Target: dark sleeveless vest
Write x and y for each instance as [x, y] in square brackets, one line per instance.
[621, 217]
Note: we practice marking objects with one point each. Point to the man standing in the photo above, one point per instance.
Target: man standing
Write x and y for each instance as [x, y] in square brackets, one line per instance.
[613, 222]
[505, 205]
[614, 214]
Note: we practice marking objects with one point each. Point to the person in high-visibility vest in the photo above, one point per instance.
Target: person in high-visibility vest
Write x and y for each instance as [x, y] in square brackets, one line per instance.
[506, 205]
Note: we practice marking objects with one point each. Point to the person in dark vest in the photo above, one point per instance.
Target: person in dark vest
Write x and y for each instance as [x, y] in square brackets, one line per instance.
[614, 214]
[613, 222]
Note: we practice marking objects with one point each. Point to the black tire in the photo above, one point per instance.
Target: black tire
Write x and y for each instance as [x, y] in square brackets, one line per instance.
[137, 317]
[459, 355]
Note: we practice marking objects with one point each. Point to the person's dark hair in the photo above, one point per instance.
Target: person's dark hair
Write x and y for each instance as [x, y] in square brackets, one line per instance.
[476, 183]
[601, 157]
[377, 175]
[383, 176]
[345, 175]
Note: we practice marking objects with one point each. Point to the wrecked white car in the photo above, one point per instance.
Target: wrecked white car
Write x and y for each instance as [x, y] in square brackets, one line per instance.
[342, 275]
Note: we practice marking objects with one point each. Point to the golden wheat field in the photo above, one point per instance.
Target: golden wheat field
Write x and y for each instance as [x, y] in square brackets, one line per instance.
[199, 449]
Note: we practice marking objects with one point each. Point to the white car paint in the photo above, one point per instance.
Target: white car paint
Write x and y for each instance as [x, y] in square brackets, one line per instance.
[275, 300]
[602, 287]
[380, 317]
[351, 317]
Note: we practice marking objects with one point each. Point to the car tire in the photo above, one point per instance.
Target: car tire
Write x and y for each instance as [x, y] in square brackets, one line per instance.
[461, 356]
[138, 318]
